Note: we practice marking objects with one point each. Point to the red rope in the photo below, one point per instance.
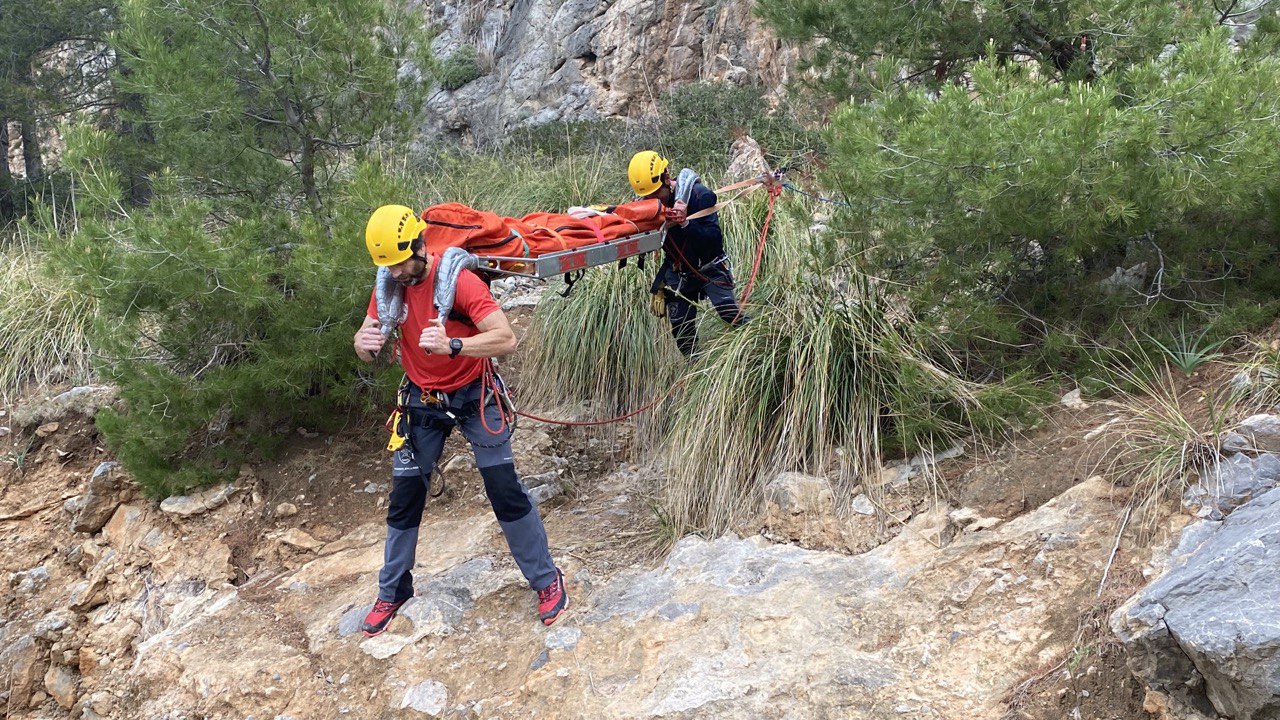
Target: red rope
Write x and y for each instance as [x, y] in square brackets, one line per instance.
[774, 192]
[489, 388]
[620, 418]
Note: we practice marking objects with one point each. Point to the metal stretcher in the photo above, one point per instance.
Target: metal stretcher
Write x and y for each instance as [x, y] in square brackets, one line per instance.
[563, 262]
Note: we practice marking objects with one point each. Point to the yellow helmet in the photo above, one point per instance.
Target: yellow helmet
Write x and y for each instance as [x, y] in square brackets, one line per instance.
[390, 233]
[645, 171]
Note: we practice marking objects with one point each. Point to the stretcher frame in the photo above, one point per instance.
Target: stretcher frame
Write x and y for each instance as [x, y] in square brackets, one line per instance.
[562, 262]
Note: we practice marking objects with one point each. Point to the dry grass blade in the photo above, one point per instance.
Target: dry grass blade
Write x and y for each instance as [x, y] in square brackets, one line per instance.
[1168, 431]
[43, 324]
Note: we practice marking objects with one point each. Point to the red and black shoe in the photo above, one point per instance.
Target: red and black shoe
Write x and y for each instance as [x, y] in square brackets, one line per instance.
[553, 600]
[380, 616]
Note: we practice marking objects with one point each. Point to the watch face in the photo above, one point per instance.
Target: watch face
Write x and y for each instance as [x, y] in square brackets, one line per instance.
[456, 344]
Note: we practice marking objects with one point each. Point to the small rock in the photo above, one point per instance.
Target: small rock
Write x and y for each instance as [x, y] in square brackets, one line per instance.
[541, 660]
[87, 660]
[798, 494]
[52, 625]
[286, 509]
[196, 503]
[458, 462]
[61, 683]
[863, 506]
[104, 494]
[5, 431]
[1234, 442]
[31, 581]
[428, 697]
[351, 620]
[1262, 432]
[1073, 401]
[47, 429]
[563, 638]
[981, 524]
[970, 520]
[23, 660]
[897, 476]
[543, 493]
[747, 161]
[88, 594]
[299, 539]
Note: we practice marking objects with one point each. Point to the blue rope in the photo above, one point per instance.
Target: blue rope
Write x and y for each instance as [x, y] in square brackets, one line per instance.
[819, 198]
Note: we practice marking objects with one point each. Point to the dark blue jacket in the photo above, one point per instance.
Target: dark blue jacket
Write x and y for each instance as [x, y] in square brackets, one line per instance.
[701, 241]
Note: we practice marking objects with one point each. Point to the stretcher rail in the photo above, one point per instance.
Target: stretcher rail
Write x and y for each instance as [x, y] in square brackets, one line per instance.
[549, 265]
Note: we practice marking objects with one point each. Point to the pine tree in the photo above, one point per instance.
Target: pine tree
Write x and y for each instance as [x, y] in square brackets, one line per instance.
[228, 302]
[257, 103]
[857, 45]
[1001, 205]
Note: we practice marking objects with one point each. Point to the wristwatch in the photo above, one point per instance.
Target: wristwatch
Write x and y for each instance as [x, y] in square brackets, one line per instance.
[455, 347]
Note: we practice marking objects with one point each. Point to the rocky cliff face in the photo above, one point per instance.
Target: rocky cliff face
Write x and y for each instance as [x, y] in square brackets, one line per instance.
[540, 61]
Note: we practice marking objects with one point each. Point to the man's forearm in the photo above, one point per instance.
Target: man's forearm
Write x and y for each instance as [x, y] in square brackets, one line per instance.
[491, 343]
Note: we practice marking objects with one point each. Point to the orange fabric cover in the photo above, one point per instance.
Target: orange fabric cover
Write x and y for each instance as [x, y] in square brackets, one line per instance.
[484, 233]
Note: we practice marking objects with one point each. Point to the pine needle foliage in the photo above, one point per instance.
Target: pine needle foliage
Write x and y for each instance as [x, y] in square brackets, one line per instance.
[224, 338]
[1005, 206]
[259, 104]
[225, 307]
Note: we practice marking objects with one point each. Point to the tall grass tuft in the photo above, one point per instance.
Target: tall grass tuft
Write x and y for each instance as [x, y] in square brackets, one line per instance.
[515, 185]
[42, 323]
[1168, 429]
[826, 376]
[600, 344]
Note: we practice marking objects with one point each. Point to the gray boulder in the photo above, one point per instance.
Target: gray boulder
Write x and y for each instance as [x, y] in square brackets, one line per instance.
[1262, 431]
[1233, 482]
[1207, 633]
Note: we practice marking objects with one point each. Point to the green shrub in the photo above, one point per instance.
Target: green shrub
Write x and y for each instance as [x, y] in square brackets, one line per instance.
[224, 335]
[1003, 208]
[460, 68]
[697, 124]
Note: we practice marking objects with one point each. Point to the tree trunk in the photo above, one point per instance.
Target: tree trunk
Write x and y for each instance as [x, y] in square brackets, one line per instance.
[31, 149]
[6, 176]
[138, 166]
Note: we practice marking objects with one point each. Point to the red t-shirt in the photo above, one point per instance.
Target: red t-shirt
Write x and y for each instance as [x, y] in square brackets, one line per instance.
[441, 372]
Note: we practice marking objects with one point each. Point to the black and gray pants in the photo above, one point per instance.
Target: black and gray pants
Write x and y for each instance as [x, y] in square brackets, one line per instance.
[684, 288]
[428, 425]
